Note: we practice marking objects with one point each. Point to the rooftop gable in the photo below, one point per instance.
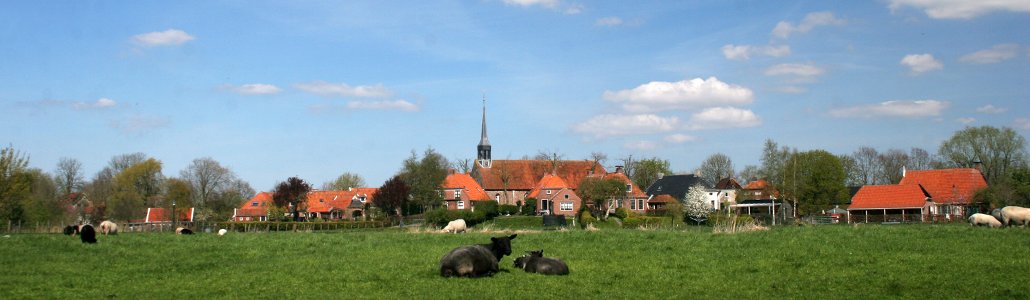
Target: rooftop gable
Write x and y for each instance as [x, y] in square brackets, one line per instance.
[524, 174]
[947, 185]
[470, 188]
[548, 182]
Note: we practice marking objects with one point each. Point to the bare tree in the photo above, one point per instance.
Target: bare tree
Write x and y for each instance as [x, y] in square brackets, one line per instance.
[68, 176]
[554, 160]
[463, 165]
[599, 158]
[892, 163]
[344, 181]
[867, 165]
[716, 167]
[919, 159]
[206, 177]
[747, 174]
[121, 162]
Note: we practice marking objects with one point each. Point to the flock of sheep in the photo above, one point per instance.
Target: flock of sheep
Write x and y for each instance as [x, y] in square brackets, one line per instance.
[1005, 216]
[483, 259]
[88, 234]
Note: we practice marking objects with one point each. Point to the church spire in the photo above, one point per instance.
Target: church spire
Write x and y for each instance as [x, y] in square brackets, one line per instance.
[483, 156]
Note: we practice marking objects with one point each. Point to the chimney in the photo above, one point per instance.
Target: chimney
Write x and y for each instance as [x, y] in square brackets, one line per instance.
[978, 165]
[903, 171]
[618, 169]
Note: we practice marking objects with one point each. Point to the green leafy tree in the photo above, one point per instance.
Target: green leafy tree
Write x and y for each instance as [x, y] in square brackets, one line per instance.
[15, 184]
[424, 177]
[291, 194]
[999, 151]
[43, 204]
[814, 180]
[603, 194]
[177, 191]
[392, 197]
[646, 171]
[136, 188]
[343, 182]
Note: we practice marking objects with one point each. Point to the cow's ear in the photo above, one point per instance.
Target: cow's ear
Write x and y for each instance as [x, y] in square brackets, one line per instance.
[512, 237]
[493, 239]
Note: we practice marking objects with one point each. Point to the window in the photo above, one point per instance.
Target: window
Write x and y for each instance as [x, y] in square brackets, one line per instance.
[632, 204]
[566, 205]
[457, 194]
[263, 218]
[461, 204]
[321, 200]
[629, 188]
[640, 204]
[497, 197]
[254, 203]
[548, 192]
[566, 196]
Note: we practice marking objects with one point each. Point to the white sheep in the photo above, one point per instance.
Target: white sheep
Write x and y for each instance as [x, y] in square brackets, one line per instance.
[108, 227]
[222, 231]
[455, 226]
[1019, 215]
[984, 219]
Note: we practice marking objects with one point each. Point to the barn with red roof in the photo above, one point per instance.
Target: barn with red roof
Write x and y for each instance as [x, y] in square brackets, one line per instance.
[921, 196]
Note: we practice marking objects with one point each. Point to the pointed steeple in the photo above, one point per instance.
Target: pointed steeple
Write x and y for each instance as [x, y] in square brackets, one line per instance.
[483, 156]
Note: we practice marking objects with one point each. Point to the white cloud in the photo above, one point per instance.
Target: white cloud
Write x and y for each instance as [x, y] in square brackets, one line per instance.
[1022, 123]
[641, 145]
[991, 109]
[961, 9]
[895, 108]
[680, 138]
[686, 94]
[170, 37]
[792, 89]
[966, 120]
[382, 105]
[614, 125]
[99, 104]
[805, 70]
[256, 89]
[608, 21]
[784, 29]
[921, 63]
[723, 117]
[996, 54]
[744, 52]
[342, 89]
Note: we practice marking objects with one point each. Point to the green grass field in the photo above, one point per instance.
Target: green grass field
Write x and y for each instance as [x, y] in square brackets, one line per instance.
[905, 261]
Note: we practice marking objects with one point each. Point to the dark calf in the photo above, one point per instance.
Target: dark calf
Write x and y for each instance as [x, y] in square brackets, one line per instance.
[88, 234]
[476, 260]
[535, 262]
[71, 229]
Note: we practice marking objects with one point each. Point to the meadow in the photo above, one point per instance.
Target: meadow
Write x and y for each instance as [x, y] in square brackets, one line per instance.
[833, 261]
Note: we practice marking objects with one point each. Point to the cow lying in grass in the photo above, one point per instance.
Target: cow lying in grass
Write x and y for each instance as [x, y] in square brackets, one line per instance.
[108, 227]
[535, 262]
[87, 234]
[983, 219]
[455, 226]
[182, 230]
[476, 260]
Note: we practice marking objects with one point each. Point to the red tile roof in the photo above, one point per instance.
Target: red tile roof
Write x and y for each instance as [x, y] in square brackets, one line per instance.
[889, 197]
[757, 185]
[548, 182]
[955, 186]
[662, 199]
[317, 201]
[524, 174]
[470, 189]
[158, 214]
[634, 192]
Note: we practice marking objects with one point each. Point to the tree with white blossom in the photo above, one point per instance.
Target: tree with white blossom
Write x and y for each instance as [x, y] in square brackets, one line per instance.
[697, 207]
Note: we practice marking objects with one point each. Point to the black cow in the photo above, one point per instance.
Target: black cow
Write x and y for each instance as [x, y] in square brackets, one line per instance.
[535, 262]
[476, 260]
[182, 230]
[88, 234]
[71, 229]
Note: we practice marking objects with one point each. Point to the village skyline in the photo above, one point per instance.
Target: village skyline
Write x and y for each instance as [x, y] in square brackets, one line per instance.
[273, 90]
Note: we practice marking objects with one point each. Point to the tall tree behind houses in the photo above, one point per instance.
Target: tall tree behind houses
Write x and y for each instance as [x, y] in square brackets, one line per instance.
[424, 176]
[998, 150]
[68, 176]
[646, 171]
[716, 167]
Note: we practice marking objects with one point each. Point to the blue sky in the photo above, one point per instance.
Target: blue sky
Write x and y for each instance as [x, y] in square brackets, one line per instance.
[314, 89]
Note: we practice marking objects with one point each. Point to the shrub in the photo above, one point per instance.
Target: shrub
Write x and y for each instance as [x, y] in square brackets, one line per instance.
[621, 213]
[586, 218]
[529, 208]
[507, 210]
[489, 208]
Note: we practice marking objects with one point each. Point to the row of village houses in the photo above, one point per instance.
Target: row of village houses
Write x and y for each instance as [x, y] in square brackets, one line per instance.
[922, 195]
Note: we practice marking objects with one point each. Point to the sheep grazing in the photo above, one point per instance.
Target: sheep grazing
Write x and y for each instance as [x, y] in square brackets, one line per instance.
[181, 230]
[1015, 214]
[71, 229]
[88, 234]
[222, 231]
[983, 219]
[476, 260]
[535, 262]
[455, 226]
[108, 227]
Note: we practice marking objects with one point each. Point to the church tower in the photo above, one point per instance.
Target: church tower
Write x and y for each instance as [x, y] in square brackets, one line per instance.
[483, 156]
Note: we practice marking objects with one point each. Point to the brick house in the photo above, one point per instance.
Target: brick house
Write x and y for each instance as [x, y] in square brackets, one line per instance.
[921, 196]
[555, 197]
[459, 191]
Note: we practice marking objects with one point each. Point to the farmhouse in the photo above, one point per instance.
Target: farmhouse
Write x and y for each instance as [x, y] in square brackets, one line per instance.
[555, 197]
[921, 196]
[635, 198]
[350, 204]
[460, 191]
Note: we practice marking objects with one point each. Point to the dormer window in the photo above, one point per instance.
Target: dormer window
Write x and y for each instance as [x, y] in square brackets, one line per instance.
[629, 188]
[254, 203]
